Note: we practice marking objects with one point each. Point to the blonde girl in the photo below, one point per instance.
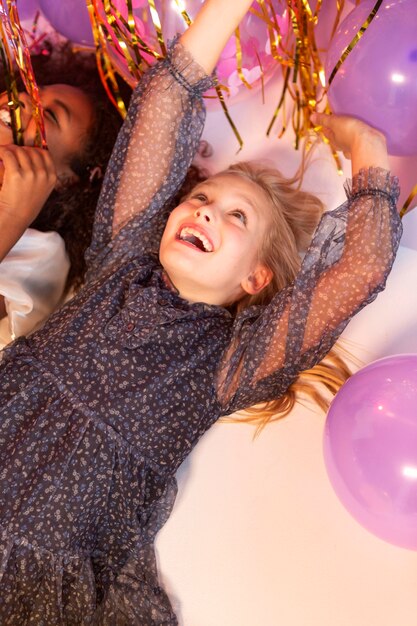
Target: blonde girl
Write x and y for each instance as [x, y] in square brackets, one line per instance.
[100, 406]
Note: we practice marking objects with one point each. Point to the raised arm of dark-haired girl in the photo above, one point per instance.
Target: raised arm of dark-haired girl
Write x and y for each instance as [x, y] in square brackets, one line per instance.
[347, 264]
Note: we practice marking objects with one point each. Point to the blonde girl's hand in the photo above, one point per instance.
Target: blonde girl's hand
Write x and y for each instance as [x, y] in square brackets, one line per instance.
[28, 177]
[364, 145]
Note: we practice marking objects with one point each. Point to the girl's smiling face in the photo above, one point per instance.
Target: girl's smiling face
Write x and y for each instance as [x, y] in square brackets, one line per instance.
[68, 115]
[211, 243]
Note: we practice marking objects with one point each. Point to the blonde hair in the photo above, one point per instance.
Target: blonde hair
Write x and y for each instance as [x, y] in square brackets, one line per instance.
[294, 216]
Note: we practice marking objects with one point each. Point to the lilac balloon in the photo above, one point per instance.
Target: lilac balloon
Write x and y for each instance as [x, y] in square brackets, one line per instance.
[370, 448]
[69, 18]
[377, 82]
[27, 8]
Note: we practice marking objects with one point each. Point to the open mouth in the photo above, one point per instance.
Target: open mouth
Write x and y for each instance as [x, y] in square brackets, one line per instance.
[195, 238]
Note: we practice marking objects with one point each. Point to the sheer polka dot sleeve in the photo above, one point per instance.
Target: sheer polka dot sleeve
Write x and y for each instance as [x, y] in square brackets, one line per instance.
[347, 264]
[154, 149]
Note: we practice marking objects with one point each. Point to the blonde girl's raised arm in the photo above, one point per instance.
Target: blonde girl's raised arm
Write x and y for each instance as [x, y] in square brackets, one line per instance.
[161, 133]
[211, 29]
[347, 264]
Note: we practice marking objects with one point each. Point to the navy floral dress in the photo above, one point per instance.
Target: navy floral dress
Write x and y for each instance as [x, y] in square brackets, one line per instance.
[99, 408]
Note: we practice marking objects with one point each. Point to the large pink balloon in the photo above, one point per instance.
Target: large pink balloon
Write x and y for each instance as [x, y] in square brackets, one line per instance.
[378, 80]
[69, 18]
[370, 448]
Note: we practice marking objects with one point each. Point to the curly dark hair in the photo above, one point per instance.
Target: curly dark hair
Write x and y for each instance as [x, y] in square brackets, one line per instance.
[70, 210]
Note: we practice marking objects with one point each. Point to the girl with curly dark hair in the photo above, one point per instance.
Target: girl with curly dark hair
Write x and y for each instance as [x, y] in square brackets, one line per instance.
[81, 128]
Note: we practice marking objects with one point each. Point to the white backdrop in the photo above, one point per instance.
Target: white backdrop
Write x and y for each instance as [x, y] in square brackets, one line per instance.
[258, 537]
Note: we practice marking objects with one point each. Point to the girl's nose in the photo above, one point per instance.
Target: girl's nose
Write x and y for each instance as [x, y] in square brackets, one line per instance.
[203, 213]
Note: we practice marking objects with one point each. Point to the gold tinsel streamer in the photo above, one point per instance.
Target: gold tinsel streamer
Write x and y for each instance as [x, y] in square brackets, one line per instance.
[296, 53]
[157, 24]
[12, 91]
[108, 25]
[354, 41]
[303, 72]
[239, 59]
[409, 200]
[14, 38]
[183, 12]
[104, 65]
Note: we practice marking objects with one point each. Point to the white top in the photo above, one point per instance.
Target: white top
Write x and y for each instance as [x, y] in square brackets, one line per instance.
[32, 280]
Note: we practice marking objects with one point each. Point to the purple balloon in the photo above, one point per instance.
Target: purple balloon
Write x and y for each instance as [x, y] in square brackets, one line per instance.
[27, 8]
[69, 18]
[370, 448]
[377, 82]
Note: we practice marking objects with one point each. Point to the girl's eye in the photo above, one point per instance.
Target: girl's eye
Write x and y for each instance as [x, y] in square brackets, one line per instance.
[52, 115]
[240, 215]
[200, 196]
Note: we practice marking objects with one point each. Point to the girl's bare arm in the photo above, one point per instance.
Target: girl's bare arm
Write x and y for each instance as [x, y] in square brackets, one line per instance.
[209, 33]
[344, 269]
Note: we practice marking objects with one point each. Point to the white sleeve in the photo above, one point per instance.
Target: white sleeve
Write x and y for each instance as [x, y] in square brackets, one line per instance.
[32, 281]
